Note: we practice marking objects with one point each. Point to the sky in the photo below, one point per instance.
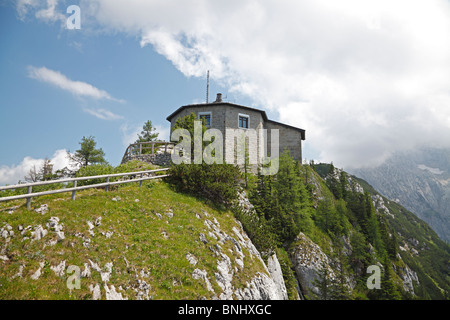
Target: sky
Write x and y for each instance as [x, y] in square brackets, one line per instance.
[364, 78]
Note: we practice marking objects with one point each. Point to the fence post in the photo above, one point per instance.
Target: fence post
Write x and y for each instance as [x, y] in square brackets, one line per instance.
[107, 181]
[73, 192]
[29, 189]
[140, 182]
[140, 148]
[153, 147]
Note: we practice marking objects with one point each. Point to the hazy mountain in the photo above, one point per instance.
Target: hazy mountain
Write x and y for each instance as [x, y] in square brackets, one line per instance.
[418, 180]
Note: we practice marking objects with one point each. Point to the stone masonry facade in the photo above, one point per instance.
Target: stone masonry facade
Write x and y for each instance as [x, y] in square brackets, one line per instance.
[224, 116]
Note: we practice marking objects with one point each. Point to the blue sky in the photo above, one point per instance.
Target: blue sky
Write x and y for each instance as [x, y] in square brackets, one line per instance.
[365, 78]
[38, 117]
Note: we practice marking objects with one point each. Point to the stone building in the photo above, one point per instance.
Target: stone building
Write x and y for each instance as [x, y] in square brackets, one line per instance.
[250, 121]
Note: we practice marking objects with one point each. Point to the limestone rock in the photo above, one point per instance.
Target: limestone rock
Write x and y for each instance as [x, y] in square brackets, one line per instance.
[105, 275]
[261, 287]
[191, 258]
[224, 276]
[201, 274]
[38, 233]
[19, 273]
[96, 293]
[169, 213]
[112, 294]
[59, 269]
[98, 221]
[37, 274]
[43, 209]
[53, 224]
[86, 273]
[142, 290]
[277, 275]
[307, 259]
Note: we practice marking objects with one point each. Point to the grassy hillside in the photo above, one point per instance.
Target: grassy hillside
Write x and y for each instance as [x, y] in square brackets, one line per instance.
[147, 240]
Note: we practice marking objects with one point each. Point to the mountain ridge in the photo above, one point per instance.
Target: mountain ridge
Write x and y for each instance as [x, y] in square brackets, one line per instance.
[420, 181]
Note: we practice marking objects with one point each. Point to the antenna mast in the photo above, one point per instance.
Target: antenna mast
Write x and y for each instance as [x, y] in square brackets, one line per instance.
[207, 87]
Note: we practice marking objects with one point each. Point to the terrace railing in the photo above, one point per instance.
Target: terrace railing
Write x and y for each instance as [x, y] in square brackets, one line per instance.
[140, 148]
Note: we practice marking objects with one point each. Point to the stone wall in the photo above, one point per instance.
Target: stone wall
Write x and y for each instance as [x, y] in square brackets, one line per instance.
[159, 159]
[289, 138]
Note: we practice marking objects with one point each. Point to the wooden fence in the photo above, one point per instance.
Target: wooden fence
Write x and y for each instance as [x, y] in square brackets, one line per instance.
[142, 176]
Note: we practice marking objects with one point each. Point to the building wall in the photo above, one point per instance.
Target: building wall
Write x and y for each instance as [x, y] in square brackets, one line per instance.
[217, 115]
[289, 139]
[225, 117]
[254, 138]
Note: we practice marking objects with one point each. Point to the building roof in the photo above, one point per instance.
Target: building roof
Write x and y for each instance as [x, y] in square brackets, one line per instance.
[214, 104]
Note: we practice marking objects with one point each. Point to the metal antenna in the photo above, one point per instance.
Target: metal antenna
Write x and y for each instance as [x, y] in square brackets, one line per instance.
[207, 87]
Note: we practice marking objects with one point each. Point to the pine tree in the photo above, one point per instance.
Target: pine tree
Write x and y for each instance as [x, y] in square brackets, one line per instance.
[148, 133]
[326, 216]
[327, 285]
[359, 259]
[46, 171]
[342, 291]
[88, 153]
[283, 199]
[388, 289]
[389, 239]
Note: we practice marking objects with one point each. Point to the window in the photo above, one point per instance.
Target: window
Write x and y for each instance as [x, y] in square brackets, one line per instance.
[206, 116]
[243, 121]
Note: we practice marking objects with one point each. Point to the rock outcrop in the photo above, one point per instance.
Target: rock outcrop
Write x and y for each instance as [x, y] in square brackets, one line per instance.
[307, 259]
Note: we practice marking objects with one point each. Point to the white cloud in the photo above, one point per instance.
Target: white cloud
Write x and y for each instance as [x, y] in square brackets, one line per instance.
[130, 133]
[103, 114]
[22, 7]
[12, 174]
[164, 132]
[45, 11]
[50, 14]
[365, 78]
[432, 170]
[77, 88]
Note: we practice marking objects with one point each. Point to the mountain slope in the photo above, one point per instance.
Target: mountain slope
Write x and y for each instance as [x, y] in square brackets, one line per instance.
[155, 243]
[129, 243]
[418, 180]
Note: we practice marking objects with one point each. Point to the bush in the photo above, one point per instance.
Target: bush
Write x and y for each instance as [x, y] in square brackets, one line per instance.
[216, 182]
[258, 230]
[93, 170]
[134, 166]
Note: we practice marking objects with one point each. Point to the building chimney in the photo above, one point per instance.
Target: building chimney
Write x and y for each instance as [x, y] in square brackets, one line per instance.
[219, 97]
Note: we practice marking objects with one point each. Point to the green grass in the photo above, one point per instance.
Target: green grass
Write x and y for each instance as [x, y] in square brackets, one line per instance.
[137, 244]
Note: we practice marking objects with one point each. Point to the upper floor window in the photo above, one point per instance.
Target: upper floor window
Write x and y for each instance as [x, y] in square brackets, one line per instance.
[205, 117]
[243, 121]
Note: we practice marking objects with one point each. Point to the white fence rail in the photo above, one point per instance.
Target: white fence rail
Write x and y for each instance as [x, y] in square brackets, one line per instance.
[149, 176]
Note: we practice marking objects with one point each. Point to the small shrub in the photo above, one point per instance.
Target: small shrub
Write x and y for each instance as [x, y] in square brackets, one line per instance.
[133, 166]
[94, 170]
[216, 182]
